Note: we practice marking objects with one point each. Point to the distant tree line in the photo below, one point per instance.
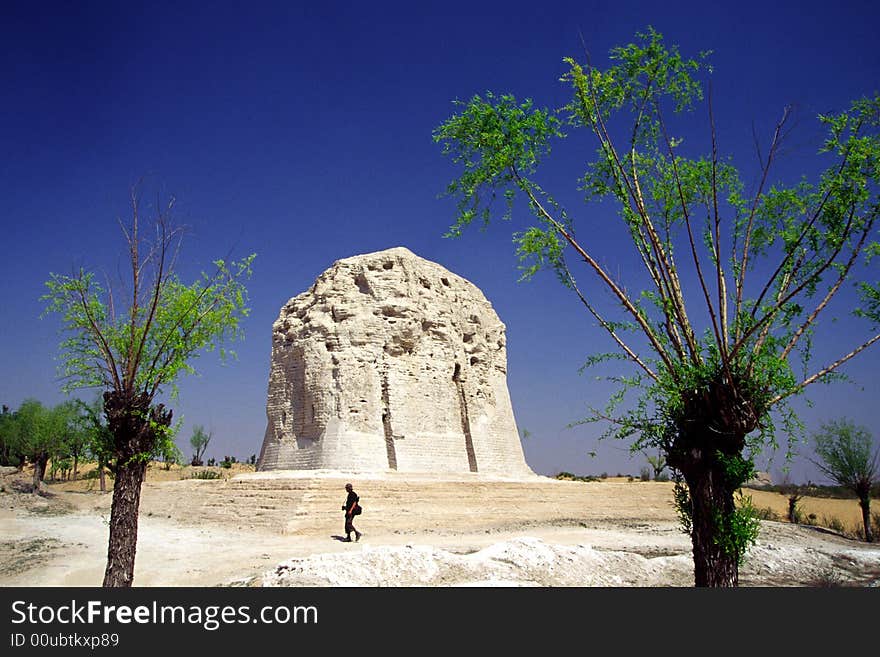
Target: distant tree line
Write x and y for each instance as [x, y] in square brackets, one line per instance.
[56, 440]
[63, 435]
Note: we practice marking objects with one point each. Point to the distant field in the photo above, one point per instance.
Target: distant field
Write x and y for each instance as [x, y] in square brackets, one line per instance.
[826, 510]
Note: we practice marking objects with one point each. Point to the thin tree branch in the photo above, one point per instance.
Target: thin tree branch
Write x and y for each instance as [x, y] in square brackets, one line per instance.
[629, 352]
[774, 310]
[620, 294]
[743, 264]
[824, 372]
[687, 222]
[831, 292]
[99, 336]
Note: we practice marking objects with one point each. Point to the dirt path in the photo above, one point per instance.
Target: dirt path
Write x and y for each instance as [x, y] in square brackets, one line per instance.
[284, 529]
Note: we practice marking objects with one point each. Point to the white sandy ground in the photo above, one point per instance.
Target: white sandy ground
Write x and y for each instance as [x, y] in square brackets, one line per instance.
[282, 529]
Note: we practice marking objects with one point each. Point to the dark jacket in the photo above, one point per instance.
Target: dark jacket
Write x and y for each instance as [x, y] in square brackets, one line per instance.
[350, 500]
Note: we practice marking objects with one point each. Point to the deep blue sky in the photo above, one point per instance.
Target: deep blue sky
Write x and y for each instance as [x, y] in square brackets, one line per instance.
[302, 132]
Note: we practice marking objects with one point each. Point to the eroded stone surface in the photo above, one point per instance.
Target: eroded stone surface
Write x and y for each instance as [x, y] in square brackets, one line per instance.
[390, 362]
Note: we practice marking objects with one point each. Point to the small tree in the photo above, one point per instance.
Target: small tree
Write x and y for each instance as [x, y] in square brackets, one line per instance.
[845, 455]
[99, 440]
[10, 454]
[657, 463]
[794, 494]
[76, 441]
[135, 346]
[41, 433]
[170, 454]
[199, 441]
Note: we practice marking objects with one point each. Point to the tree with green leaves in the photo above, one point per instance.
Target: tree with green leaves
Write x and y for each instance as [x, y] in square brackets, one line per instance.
[33, 437]
[9, 452]
[99, 440]
[199, 441]
[41, 433]
[135, 346]
[724, 290]
[847, 456]
[658, 464]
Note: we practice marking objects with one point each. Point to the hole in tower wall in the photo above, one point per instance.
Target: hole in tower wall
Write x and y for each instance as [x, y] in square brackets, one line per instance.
[363, 285]
[445, 281]
[388, 265]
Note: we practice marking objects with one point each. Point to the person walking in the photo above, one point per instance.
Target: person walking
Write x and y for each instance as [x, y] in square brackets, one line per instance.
[351, 510]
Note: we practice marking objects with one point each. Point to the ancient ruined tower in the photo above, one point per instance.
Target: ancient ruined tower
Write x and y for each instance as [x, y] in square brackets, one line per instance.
[390, 362]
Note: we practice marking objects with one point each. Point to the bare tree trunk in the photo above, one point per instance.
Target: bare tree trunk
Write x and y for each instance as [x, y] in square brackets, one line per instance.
[792, 508]
[102, 477]
[122, 545]
[865, 503]
[41, 460]
[134, 425]
[711, 499]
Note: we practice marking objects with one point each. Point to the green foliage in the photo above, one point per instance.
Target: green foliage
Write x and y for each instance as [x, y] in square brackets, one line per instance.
[152, 346]
[846, 454]
[766, 513]
[738, 531]
[205, 474]
[568, 476]
[199, 441]
[98, 439]
[681, 500]
[496, 140]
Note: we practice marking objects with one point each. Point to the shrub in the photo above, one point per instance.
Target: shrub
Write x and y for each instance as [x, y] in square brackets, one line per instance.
[567, 476]
[834, 524]
[205, 474]
[766, 513]
[645, 474]
[662, 477]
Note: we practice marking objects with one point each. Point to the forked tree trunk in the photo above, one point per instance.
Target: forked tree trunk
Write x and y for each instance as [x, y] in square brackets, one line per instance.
[711, 500]
[122, 545]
